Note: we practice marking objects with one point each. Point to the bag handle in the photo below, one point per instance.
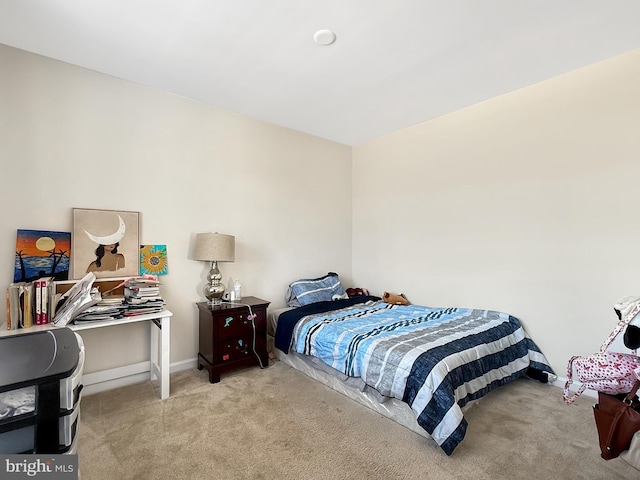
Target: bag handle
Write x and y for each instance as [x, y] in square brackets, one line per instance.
[569, 399]
[621, 324]
[629, 398]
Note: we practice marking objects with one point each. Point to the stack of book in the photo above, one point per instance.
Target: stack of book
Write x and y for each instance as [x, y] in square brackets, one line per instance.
[29, 303]
[142, 295]
[35, 303]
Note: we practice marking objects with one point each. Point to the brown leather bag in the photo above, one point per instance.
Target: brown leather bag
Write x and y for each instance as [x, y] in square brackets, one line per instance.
[617, 420]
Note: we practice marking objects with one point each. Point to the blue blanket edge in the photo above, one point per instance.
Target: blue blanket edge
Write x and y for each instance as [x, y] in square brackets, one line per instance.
[287, 320]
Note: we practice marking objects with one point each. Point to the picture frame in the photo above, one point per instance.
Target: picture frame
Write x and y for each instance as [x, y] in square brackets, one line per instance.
[105, 242]
[42, 254]
[153, 260]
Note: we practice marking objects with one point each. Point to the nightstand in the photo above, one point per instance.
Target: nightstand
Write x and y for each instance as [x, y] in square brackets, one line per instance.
[229, 339]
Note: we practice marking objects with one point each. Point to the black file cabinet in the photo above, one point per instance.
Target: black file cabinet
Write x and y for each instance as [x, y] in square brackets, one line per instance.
[40, 390]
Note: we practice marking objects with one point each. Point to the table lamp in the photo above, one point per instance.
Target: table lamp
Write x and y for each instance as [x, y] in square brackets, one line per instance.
[214, 248]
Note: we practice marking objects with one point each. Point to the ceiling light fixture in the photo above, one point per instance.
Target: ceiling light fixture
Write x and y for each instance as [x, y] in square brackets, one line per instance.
[324, 37]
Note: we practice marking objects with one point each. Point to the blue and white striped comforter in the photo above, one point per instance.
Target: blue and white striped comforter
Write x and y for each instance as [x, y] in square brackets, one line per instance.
[434, 359]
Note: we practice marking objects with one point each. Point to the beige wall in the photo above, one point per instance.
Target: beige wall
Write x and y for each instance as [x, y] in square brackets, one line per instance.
[527, 203]
[70, 137]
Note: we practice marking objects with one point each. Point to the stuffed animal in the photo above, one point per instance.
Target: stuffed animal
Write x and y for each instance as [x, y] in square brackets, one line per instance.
[395, 299]
[352, 292]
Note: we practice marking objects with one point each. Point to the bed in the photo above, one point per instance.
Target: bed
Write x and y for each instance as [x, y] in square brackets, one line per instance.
[415, 364]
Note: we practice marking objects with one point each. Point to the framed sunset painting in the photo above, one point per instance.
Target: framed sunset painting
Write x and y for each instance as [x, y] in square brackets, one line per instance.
[42, 253]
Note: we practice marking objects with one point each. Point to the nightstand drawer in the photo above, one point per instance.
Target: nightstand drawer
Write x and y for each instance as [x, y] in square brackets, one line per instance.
[234, 325]
[234, 349]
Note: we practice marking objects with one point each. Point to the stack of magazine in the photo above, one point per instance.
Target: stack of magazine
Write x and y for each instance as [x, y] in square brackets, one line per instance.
[84, 303]
[142, 295]
[105, 309]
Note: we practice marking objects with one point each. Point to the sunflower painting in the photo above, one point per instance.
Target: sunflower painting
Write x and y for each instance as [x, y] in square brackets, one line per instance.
[153, 260]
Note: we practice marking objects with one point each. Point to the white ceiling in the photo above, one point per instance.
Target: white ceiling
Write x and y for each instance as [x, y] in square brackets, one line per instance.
[395, 63]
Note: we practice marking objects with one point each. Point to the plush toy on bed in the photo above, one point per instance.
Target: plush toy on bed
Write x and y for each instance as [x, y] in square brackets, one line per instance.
[395, 299]
[354, 292]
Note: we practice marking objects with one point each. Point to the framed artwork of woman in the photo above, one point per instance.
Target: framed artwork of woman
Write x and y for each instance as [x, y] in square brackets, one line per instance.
[105, 242]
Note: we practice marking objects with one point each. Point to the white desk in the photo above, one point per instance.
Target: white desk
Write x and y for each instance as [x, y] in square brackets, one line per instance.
[160, 342]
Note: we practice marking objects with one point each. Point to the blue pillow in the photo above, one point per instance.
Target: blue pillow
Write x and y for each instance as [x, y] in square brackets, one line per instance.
[312, 290]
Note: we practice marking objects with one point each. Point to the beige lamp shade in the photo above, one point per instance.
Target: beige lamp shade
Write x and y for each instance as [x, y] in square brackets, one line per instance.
[215, 247]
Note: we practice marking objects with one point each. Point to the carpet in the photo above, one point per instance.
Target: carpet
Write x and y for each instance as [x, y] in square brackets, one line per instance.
[277, 423]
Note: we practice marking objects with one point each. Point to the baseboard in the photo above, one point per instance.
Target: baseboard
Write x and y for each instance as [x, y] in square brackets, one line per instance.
[104, 380]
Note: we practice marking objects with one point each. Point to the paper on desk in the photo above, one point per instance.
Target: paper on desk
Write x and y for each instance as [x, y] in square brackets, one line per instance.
[77, 298]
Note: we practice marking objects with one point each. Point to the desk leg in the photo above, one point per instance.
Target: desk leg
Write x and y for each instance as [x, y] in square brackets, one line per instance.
[164, 352]
[160, 349]
[154, 355]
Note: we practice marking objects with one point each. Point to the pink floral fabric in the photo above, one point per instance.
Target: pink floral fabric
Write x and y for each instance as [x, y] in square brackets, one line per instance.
[607, 372]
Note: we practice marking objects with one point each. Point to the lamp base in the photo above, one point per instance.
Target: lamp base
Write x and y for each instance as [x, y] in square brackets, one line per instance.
[214, 289]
